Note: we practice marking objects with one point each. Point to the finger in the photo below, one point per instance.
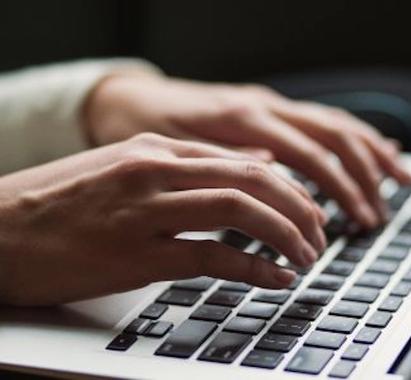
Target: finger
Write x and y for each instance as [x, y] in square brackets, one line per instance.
[187, 259]
[210, 209]
[259, 153]
[257, 180]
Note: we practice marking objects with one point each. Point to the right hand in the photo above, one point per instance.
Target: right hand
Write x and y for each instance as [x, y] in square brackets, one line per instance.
[105, 220]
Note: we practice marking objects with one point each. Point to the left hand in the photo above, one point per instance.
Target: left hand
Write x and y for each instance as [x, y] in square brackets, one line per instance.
[254, 118]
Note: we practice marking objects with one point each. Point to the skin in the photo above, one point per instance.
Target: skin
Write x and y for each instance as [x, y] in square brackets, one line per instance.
[134, 197]
[260, 121]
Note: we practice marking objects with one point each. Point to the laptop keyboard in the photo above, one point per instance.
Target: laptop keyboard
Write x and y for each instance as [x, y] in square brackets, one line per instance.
[240, 313]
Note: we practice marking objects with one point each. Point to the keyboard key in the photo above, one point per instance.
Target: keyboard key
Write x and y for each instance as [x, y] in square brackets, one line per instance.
[262, 359]
[301, 311]
[340, 268]
[258, 310]
[342, 369]
[245, 325]
[236, 286]
[325, 339]
[367, 335]
[309, 360]
[352, 254]
[122, 342]
[154, 311]
[394, 252]
[296, 283]
[379, 319]
[407, 276]
[402, 289]
[137, 326]
[384, 266]
[327, 282]
[290, 326]
[373, 280]
[225, 347]
[349, 309]
[361, 294]
[211, 313]
[158, 329]
[200, 283]
[355, 351]
[402, 239]
[186, 339]
[338, 324]
[225, 298]
[391, 304]
[267, 253]
[236, 239]
[277, 342]
[179, 297]
[315, 297]
[273, 296]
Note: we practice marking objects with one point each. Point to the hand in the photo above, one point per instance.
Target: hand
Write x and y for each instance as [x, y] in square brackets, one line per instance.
[264, 123]
[105, 220]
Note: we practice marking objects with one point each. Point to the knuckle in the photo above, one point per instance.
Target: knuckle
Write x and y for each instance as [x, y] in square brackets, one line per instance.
[231, 200]
[255, 172]
[146, 137]
[291, 235]
[337, 112]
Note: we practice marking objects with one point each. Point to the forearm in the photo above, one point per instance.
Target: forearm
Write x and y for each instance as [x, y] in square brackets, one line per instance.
[41, 109]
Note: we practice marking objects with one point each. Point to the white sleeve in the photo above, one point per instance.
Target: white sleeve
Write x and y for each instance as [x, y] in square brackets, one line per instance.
[40, 109]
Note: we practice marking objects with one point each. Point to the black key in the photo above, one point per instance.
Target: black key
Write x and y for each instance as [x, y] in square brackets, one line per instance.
[391, 304]
[158, 329]
[262, 359]
[200, 283]
[394, 252]
[154, 311]
[186, 339]
[267, 253]
[236, 286]
[236, 239]
[315, 297]
[225, 298]
[296, 283]
[325, 339]
[297, 269]
[290, 326]
[373, 280]
[349, 309]
[384, 266]
[211, 313]
[407, 276]
[361, 294]
[327, 282]
[179, 297]
[272, 296]
[277, 342]
[342, 369]
[403, 239]
[225, 347]
[338, 324]
[258, 310]
[379, 319]
[309, 360]
[301, 311]
[355, 351]
[122, 342]
[245, 325]
[367, 335]
[402, 289]
[340, 268]
[137, 326]
[352, 254]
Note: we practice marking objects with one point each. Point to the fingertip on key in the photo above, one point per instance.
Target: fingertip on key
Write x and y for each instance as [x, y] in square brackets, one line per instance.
[285, 276]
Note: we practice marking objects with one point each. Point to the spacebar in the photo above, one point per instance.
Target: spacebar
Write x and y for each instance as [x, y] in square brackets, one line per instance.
[186, 339]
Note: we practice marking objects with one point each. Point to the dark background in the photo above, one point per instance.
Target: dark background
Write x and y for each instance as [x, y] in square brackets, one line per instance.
[214, 40]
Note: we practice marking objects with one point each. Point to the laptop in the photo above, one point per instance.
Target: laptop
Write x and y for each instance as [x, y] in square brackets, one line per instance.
[349, 316]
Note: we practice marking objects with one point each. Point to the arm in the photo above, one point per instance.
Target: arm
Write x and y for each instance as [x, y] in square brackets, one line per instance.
[41, 108]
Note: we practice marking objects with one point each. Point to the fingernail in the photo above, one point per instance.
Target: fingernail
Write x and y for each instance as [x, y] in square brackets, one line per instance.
[309, 255]
[382, 210]
[368, 216]
[286, 276]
